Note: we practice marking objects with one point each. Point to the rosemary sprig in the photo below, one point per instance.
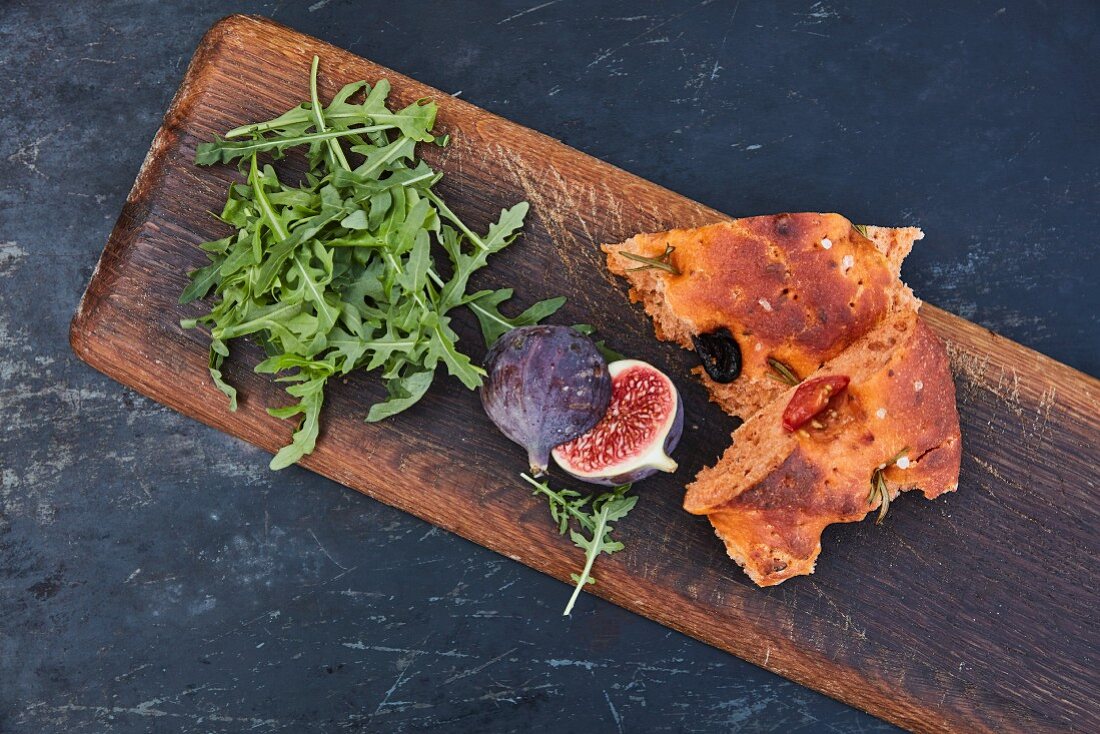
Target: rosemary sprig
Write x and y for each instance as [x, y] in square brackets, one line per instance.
[782, 372]
[879, 488]
[862, 229]
[663, 262]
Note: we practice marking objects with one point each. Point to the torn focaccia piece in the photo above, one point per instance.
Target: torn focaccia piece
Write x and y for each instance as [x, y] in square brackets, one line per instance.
[893, 427]
[766, 300]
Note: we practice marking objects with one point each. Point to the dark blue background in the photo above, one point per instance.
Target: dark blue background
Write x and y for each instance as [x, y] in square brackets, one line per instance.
[155, 576]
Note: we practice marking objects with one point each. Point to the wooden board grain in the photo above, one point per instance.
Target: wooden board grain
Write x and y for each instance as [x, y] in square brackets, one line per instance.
[975, 612]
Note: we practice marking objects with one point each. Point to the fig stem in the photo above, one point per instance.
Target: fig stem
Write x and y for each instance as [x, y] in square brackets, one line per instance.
[538, 460]
[666, 464]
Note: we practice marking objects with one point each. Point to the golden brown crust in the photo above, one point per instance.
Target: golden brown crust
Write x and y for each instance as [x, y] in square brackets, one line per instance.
[813, 292]
[798, 288]
[772, 522]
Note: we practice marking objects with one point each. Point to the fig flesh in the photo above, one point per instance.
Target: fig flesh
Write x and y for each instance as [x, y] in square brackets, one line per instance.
[632, 441]
[546, 385]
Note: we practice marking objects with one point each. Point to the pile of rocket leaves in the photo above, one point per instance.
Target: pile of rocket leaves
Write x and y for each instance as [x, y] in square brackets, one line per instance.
[339, 272]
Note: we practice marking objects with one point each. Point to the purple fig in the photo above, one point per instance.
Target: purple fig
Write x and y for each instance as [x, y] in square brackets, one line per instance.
[546, 385]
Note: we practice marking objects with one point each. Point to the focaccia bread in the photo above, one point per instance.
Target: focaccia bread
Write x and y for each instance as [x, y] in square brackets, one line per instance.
[774, 491]
[796, 289]
[805, 300]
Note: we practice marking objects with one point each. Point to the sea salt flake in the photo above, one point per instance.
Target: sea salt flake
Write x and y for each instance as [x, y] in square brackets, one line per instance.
[903, 462]
[764, 304]
[826, 243]
[881, 412]
[918, 385]
[847, 262]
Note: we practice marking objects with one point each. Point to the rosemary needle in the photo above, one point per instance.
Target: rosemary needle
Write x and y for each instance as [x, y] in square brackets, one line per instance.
[649, 263]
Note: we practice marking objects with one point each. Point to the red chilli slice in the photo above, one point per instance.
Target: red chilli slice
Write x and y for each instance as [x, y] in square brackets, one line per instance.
[810, 398]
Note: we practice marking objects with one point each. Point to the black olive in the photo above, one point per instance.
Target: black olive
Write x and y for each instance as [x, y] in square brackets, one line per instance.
[720, 354]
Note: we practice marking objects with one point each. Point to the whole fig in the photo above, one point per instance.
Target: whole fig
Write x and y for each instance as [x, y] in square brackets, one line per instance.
[546, 385]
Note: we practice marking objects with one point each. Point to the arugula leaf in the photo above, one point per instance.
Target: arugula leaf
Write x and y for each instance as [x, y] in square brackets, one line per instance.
[298, 119]
[202, 280]
[494, 324]
[404, 392]
[226, 151]
[319, 118]
[415, 121]
[338, 272]
[218, 353]
[311, 394]
[608, 353]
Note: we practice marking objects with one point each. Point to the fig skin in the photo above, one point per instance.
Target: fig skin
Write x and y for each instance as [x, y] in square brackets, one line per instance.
[546, 385]
[650, 458]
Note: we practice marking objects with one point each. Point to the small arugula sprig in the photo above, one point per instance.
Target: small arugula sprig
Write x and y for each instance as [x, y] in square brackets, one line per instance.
[339, 273]
[568, 507]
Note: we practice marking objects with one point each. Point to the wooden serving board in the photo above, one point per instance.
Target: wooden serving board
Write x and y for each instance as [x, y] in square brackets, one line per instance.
[972, 613]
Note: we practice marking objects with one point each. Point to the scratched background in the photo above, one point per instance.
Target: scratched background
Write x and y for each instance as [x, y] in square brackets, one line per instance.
[155, 576]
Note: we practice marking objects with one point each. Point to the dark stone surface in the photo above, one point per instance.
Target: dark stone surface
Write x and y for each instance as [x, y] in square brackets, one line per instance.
[155, 576]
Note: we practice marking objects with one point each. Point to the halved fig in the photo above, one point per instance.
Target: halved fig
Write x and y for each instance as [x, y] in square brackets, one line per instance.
[643, 423]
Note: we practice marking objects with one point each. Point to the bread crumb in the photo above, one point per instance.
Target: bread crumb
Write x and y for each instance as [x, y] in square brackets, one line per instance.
[826, 243]
[881, 413]
[765, 305]
[903, 462]
[918, 385]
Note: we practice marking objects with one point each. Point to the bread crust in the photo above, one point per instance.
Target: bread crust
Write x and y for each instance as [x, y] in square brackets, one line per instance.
[798, 288]
[772, 524]
[823, 297]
